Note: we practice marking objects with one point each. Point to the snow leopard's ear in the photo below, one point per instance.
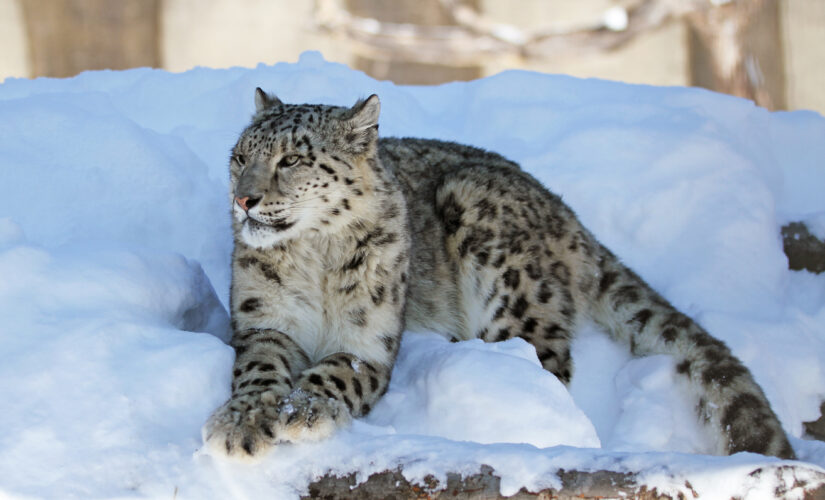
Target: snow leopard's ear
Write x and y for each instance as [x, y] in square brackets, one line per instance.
[364, 114]
[264, 100]
[361, 125]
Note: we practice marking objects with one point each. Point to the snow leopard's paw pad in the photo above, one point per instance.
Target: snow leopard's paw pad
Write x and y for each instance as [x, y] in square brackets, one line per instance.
[243, 428]
[309, 417]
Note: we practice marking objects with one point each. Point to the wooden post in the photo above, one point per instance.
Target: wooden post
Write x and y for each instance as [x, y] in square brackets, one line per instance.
[70, 36]
[736, 48]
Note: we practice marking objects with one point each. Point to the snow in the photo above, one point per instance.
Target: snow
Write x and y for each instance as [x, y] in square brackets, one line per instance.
[432, 379]
[114, 276]
[816, 225]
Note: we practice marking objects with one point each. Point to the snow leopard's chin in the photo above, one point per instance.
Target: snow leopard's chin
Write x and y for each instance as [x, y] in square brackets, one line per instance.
[264, 236]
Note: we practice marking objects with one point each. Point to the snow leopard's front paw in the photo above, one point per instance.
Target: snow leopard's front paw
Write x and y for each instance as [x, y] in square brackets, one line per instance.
[244, 427]
[309, 417]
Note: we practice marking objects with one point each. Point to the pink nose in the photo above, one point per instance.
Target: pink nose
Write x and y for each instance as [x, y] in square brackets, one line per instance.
[242, 202]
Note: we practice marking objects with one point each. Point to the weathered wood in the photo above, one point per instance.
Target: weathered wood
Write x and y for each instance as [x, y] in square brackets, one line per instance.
[388, 65]
[575, 485]
[70, 36]
[736, 48]
[804, 250]
[466, 37]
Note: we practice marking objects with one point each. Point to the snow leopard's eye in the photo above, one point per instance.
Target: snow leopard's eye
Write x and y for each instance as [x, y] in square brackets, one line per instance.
[289, 161]
[240, 159]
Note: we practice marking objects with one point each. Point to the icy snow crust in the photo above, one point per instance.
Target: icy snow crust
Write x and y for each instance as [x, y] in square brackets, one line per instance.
[114, 273]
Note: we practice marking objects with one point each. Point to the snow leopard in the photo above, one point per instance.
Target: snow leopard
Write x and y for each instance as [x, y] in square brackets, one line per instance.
[344, 240]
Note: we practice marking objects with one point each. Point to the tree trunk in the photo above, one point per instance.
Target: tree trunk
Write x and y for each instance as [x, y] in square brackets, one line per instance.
[736, 49]
[69, 36]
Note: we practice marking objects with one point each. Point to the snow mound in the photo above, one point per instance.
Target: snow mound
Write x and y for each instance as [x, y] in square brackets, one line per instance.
[102, 376]
[487, 393]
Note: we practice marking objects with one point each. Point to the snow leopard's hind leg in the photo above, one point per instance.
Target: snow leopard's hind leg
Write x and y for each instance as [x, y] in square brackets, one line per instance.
[729, 400]
[527, 268]
[508, 242]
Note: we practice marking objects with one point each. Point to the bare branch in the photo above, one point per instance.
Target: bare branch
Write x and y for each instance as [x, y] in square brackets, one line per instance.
[476, 37]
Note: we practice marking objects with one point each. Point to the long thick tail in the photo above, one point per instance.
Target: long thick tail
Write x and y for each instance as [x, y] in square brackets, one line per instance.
[729, 400]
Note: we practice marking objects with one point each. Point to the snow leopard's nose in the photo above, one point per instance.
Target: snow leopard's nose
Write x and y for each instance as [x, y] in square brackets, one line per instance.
[246, 202]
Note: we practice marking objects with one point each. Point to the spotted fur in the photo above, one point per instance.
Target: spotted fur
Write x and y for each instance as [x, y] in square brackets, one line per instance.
[342, 240]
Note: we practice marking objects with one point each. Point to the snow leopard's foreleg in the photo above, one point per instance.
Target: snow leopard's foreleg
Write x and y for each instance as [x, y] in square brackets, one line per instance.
[329, 394]
[266, 364]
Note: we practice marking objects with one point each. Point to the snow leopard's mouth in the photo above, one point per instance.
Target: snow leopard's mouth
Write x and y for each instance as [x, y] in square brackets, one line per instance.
[276, 224]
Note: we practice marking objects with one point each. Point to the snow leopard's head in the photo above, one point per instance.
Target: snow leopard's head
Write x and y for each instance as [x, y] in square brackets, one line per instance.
[301, 168]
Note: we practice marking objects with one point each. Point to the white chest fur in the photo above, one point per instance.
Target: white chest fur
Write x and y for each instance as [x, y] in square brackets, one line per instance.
[301, 292]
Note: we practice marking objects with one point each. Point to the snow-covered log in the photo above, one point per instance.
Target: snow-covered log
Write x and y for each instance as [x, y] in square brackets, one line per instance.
[785, 481]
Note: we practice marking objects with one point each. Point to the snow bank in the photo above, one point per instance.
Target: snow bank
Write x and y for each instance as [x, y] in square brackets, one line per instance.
[114, 275]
